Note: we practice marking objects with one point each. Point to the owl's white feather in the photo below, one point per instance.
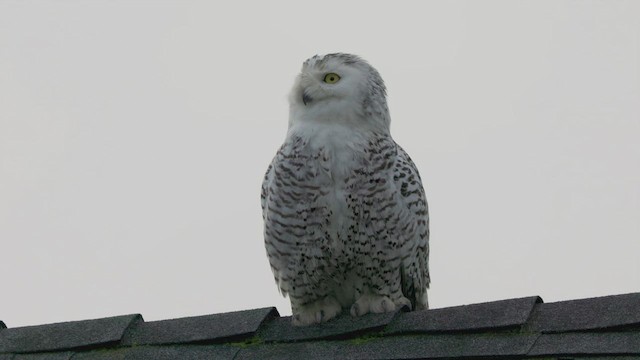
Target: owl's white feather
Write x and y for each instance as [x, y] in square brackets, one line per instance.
[346, 219]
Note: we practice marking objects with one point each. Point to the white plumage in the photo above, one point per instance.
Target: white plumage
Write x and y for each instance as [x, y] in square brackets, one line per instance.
[346, 223]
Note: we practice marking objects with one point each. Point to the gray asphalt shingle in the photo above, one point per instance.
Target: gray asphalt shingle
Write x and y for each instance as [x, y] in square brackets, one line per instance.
[504, 314]
[610, 343]
[186, 352]
[526, 328]
[65, 336]
[397, 347]
[441, 346]
[292, 351]
[587, 314]
[211, 328]
[66, 355]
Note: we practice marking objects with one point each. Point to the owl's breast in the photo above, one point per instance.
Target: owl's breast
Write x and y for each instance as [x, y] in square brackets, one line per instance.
[339, 149]
[334, 157]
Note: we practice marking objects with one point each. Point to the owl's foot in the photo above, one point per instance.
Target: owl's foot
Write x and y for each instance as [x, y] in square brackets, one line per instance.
[370, 303]
[316, 312]
[403, 302]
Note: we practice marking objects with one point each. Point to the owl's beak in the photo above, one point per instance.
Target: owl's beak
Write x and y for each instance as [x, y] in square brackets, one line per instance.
[306, 98]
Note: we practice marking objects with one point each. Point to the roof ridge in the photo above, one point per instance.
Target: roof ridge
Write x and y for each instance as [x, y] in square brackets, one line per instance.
[518, 327]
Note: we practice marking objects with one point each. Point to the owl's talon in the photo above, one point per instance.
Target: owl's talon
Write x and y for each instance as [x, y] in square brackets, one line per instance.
[370, 303]
[355, 310]
[319, 311]
[404, 302]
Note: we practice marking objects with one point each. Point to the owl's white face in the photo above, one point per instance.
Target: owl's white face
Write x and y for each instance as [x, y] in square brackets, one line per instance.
[339, 88]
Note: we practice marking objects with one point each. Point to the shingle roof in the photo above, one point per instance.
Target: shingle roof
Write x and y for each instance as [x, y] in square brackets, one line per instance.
[603, 327]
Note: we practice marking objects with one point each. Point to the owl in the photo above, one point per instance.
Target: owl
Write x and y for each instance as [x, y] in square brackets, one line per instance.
[346, 223]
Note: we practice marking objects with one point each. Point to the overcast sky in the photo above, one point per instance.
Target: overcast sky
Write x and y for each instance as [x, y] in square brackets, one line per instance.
[134, 136]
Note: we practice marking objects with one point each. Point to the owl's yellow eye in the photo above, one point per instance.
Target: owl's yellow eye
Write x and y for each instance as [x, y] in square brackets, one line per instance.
[331, 78]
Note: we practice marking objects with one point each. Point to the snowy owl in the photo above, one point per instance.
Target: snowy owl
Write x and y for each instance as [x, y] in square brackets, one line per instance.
[346, 224]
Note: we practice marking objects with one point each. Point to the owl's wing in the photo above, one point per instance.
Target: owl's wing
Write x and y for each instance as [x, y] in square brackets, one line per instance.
[264, 191]
[277, 248]
[294, 213]
[412, 199]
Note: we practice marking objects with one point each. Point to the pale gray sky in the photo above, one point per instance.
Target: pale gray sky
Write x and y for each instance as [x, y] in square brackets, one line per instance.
[134, 136]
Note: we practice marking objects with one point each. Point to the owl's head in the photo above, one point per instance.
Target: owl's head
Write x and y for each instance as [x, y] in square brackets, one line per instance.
[339, 88]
